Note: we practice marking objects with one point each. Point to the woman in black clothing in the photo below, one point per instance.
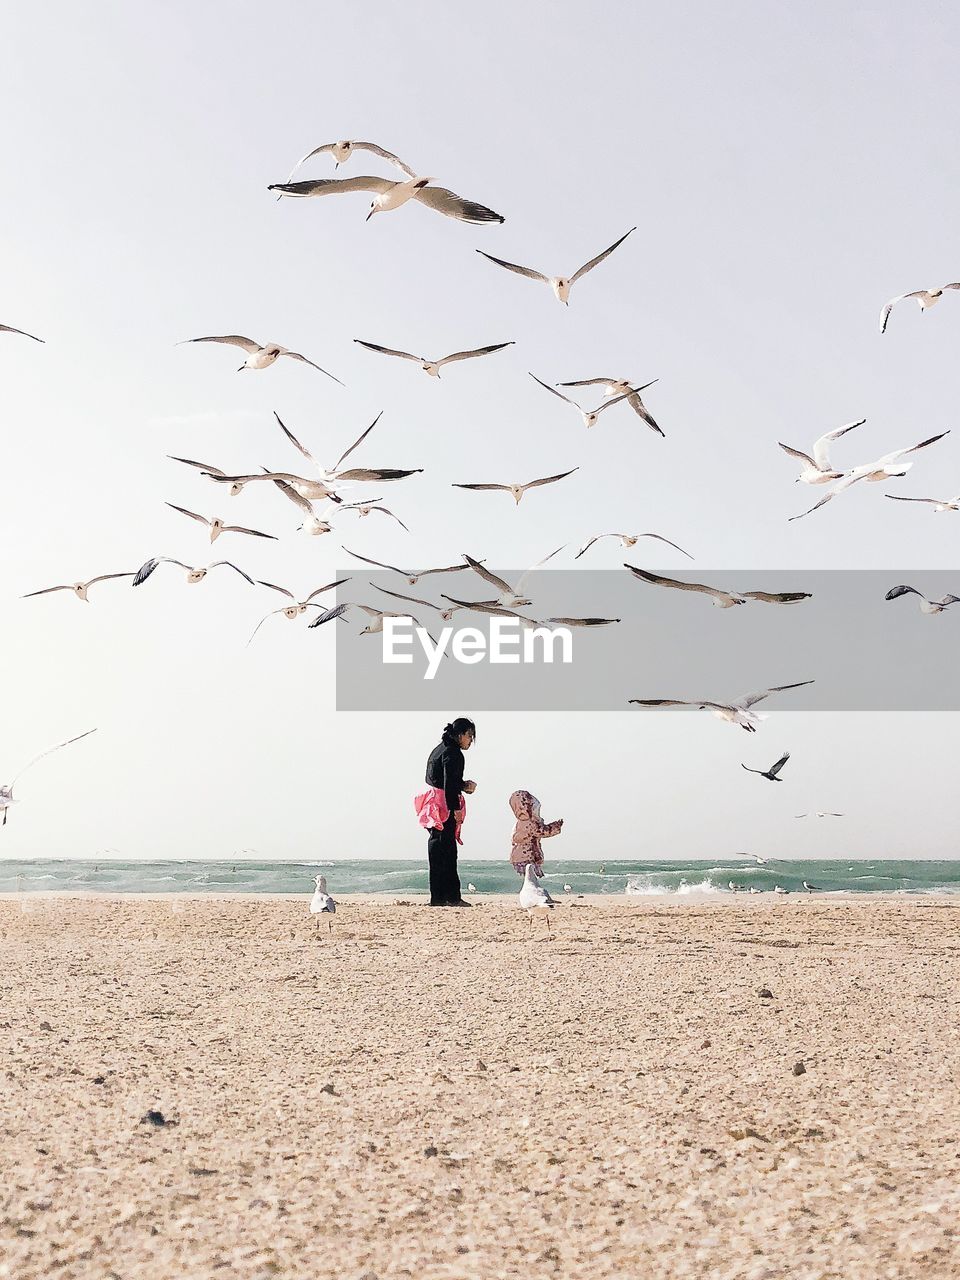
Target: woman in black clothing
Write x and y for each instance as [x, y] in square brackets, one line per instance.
[445, 770]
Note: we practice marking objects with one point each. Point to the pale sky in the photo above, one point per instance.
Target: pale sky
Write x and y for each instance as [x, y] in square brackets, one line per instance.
[788, 170]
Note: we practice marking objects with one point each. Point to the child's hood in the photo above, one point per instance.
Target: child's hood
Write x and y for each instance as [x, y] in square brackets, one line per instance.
[524, 805]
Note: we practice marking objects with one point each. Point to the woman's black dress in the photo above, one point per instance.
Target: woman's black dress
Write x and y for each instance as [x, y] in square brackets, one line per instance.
[445, 770]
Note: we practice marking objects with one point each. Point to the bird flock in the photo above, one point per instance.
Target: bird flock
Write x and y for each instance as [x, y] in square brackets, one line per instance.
[328, 499]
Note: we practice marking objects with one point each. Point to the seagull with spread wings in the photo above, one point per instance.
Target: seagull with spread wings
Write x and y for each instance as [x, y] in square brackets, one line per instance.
[376, 616]
[770, 774]
[259, 355]
[217, 526]
[79, 589]
[509, 597]
[433, 367]
[722, 599]
[6, 328]
[819, 814]
[518, 490]
[206, 469]
[561, 285]
[591, 416]
[6, 791]
[342, 151]
[193, 574]
[297, 607]
[391, 195]
[630, 540]
[739, 711]
[334, 475]
[888, 467]
[938, 504]
[926, 606]
[621, 387]
[818, 469]
[445, 614]
[412, 576]
[926, 298]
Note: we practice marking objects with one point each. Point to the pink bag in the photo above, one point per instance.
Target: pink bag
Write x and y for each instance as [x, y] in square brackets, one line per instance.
[432, 810]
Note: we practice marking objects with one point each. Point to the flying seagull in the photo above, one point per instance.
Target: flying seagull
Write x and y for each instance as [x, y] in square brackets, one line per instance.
[297, 607]
[561, 285]
[771, 773]
[925, 298]
[737, 712]
[590, 416]
[79, 589]
[211, 472]
[722, 599]
[620, 387]
[217, 526]
[630, 540]
[193, 574]
[6, 328]
[886, 468]
[445, 614]
[518, 490]
[342, 151]
[334, 474]
[412, 576]
[376, 615]
[818, 470]
[938, 504]
[6, 791]
[926, 606]
[259, 356]
[818, 814]
[509, 597]
[433, 367]
[391, 195]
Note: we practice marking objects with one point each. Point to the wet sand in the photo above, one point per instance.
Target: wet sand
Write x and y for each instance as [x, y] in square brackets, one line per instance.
[434, 1093]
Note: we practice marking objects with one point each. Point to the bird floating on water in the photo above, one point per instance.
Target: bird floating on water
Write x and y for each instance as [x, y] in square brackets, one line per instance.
[561, 285]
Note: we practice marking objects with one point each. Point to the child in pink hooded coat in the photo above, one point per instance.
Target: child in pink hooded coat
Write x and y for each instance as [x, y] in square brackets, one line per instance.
[528, 833]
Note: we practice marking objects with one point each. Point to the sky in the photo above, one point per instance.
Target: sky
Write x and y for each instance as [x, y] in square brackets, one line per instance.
[788, 170]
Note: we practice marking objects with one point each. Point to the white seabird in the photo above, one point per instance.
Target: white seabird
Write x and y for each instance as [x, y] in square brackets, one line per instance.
[886, 468]
[818, 469]
[217, 526]
[342, 151]
[79, 589]
[722, 599]
[509, 597]
[739, 711]
[6, 790]
[926, 298]
[6, 328]
[938, 504]
[433, 367]
[297, 607]
[620, 387]
[259, 355]
[591, 416]
[926, 606]
[321, 904]
[561, 285]
[518, 490]
[412, 576]
[534, 898]
[194, 575]
[391, 195]
[630, 540]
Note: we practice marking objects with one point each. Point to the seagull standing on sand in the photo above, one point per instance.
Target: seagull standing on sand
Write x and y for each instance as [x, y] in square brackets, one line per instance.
[773, 771]
[621, 387]
[259, 356]
[561, 285]
[79, 589]
[926, 606]
[811, 888]
[217, 526]
[630, 540]
[6, 791]
[391, 195]
[518, 490]
[722, 599]
[591, 416]
[321, 904]
[818, 469]
[534, 898]
[433, 367]
[926, 298]
[737, 712]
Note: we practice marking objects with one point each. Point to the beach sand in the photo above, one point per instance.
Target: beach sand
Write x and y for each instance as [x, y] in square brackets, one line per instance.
[447, 1094]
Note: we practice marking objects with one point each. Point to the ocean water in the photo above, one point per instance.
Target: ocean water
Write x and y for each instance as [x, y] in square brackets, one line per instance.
[647, 878]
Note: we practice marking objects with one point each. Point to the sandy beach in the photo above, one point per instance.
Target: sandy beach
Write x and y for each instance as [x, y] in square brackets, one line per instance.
[203, 1087]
